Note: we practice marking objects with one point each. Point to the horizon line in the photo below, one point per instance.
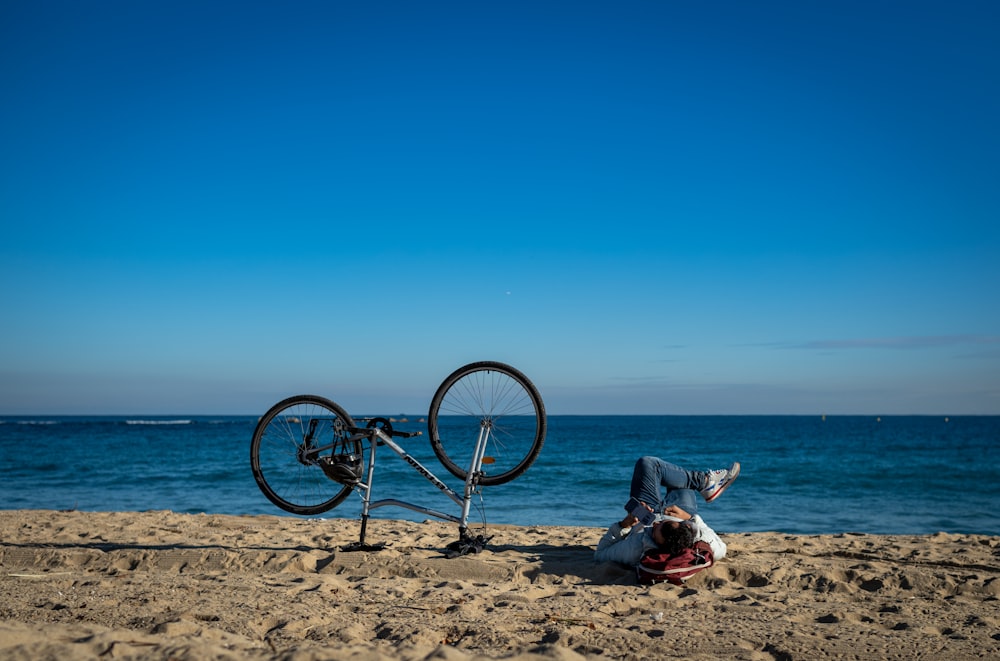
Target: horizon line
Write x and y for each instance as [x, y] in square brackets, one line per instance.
[423, 416]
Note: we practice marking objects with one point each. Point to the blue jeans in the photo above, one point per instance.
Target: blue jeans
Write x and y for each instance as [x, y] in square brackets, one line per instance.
[651, 473]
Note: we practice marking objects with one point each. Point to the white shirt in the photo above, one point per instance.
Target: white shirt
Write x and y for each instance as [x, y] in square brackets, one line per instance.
[626, 545]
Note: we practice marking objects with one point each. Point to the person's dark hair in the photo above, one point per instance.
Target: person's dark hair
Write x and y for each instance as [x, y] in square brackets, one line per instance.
[676, 539]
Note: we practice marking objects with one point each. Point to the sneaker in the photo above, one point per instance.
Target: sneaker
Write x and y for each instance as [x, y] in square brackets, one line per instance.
[718, 481]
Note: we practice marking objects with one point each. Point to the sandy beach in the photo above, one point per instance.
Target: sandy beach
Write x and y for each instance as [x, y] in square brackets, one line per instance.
[161, 585]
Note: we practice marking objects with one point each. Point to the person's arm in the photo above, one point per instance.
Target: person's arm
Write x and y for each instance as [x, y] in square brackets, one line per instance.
[704, 533]
[613, 546]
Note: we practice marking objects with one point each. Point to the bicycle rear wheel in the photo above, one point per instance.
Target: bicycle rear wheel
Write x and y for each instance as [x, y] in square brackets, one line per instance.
[283, 453]
[491, 398]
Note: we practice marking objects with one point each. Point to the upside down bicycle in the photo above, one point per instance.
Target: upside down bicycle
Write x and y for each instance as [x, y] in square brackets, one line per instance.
[486, 425]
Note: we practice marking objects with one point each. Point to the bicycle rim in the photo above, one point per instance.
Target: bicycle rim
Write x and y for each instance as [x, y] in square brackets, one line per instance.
[285, 471]
[491, 398]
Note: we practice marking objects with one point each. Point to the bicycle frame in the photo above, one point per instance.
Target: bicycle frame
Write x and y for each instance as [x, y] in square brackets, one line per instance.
[305, 441]
[377, 437]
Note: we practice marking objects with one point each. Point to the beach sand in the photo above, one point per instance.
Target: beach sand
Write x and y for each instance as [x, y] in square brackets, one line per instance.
[161, 585]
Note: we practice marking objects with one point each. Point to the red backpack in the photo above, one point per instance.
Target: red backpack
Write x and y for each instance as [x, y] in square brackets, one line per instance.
[658, 566]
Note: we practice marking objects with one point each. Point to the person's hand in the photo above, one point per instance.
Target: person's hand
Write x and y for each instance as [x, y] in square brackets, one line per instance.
[629, 521]
[675, 511]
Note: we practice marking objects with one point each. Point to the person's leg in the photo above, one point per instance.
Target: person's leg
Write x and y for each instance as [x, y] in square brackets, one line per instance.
[686, 499]
[652, 473]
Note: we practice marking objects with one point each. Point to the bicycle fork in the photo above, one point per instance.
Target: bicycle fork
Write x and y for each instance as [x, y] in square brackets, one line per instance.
[475, 470]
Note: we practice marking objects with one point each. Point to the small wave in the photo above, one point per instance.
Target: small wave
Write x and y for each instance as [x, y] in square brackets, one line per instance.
[158, 422]
[38, 422]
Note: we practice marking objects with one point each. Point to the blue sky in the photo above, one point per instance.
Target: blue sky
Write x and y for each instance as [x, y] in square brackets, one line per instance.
[648, 207]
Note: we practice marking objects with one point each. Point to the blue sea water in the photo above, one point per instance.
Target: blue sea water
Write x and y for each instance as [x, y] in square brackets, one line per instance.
[801, 475]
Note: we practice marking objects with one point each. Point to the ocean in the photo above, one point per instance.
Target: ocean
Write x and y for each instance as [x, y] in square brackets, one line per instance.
[801, 474]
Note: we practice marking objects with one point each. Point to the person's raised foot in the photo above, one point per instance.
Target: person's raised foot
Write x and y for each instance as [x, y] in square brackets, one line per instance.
[718, 481]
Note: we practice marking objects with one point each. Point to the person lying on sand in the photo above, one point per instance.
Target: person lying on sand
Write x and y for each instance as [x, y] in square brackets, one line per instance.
[673, 523]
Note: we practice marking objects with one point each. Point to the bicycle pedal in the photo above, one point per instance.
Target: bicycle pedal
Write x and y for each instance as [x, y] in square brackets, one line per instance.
[466, 545]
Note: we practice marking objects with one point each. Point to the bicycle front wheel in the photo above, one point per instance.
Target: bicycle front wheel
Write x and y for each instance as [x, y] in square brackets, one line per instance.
[284, 453]
[487, 398]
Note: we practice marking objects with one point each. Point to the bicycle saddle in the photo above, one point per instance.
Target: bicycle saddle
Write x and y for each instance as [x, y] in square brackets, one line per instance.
[342, 468]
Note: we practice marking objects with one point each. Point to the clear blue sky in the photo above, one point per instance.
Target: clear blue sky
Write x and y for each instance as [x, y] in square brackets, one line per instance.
[648, 207]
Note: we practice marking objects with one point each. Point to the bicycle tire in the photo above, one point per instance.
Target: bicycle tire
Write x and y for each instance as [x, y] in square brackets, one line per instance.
[494, 396]
[287, 477]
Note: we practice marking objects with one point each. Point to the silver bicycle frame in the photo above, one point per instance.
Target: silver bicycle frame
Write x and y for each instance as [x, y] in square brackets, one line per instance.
[464, 501]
